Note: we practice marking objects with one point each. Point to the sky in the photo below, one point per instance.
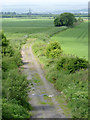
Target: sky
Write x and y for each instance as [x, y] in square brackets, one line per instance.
[42, 5]
[8, 2]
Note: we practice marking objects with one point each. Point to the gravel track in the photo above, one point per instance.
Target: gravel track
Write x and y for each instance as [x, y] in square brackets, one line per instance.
[42, 94]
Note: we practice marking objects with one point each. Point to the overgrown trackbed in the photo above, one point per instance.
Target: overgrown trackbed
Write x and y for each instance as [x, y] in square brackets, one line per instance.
[42, 94]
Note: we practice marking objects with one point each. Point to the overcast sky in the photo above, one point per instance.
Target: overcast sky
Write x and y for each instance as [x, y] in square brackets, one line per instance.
[6, 2]
[42, 5]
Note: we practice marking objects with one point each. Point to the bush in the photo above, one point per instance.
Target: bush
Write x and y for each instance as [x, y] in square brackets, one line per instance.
[53, 50]
[8, 63]
[12, 110]
[72, 64]
[6, 47]
[16, 86]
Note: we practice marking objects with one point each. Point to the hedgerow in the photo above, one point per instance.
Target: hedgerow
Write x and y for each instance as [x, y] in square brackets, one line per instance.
[15, 86]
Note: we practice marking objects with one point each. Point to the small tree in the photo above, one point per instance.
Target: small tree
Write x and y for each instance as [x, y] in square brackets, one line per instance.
[65, 19]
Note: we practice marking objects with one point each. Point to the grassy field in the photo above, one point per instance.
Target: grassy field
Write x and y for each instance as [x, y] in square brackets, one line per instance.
[16, 29]
[74, 40]
[27, 26]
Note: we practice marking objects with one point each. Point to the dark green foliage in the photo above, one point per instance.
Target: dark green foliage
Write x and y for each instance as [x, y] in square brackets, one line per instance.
[15, 86]
[11, 62]
[72, 64]
[57, 21]
[65, 19]
[12, 110]
[53, 50]
[6, 47]
[17, 58]
[8, 63]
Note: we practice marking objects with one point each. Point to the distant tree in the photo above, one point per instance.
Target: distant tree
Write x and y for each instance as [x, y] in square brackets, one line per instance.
[65, 19]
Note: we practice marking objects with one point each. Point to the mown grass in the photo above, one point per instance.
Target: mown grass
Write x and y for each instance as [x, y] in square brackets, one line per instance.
[74, 40]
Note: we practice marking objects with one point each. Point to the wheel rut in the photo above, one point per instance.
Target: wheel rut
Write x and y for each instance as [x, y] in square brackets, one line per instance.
[42, 94]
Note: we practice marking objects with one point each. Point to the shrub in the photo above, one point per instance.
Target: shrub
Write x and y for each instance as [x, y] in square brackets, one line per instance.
[12, 110]
[8, 63]
[16, 86]
[72, 64]
[53, 50]
[6, 47]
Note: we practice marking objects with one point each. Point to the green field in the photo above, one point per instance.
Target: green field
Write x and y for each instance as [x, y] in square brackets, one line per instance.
[17, 28]
[74, 40]
[27, 26]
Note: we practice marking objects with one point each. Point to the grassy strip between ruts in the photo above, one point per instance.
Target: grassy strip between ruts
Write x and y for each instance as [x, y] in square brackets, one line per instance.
[73, 86]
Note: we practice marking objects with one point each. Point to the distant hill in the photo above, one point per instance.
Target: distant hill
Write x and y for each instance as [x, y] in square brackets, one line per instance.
[82, 11]
[44, 9]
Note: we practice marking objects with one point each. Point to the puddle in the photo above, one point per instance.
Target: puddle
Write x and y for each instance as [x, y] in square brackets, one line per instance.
[41, 95]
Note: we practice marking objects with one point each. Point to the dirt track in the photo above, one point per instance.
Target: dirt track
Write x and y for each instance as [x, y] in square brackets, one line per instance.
[42, 94]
